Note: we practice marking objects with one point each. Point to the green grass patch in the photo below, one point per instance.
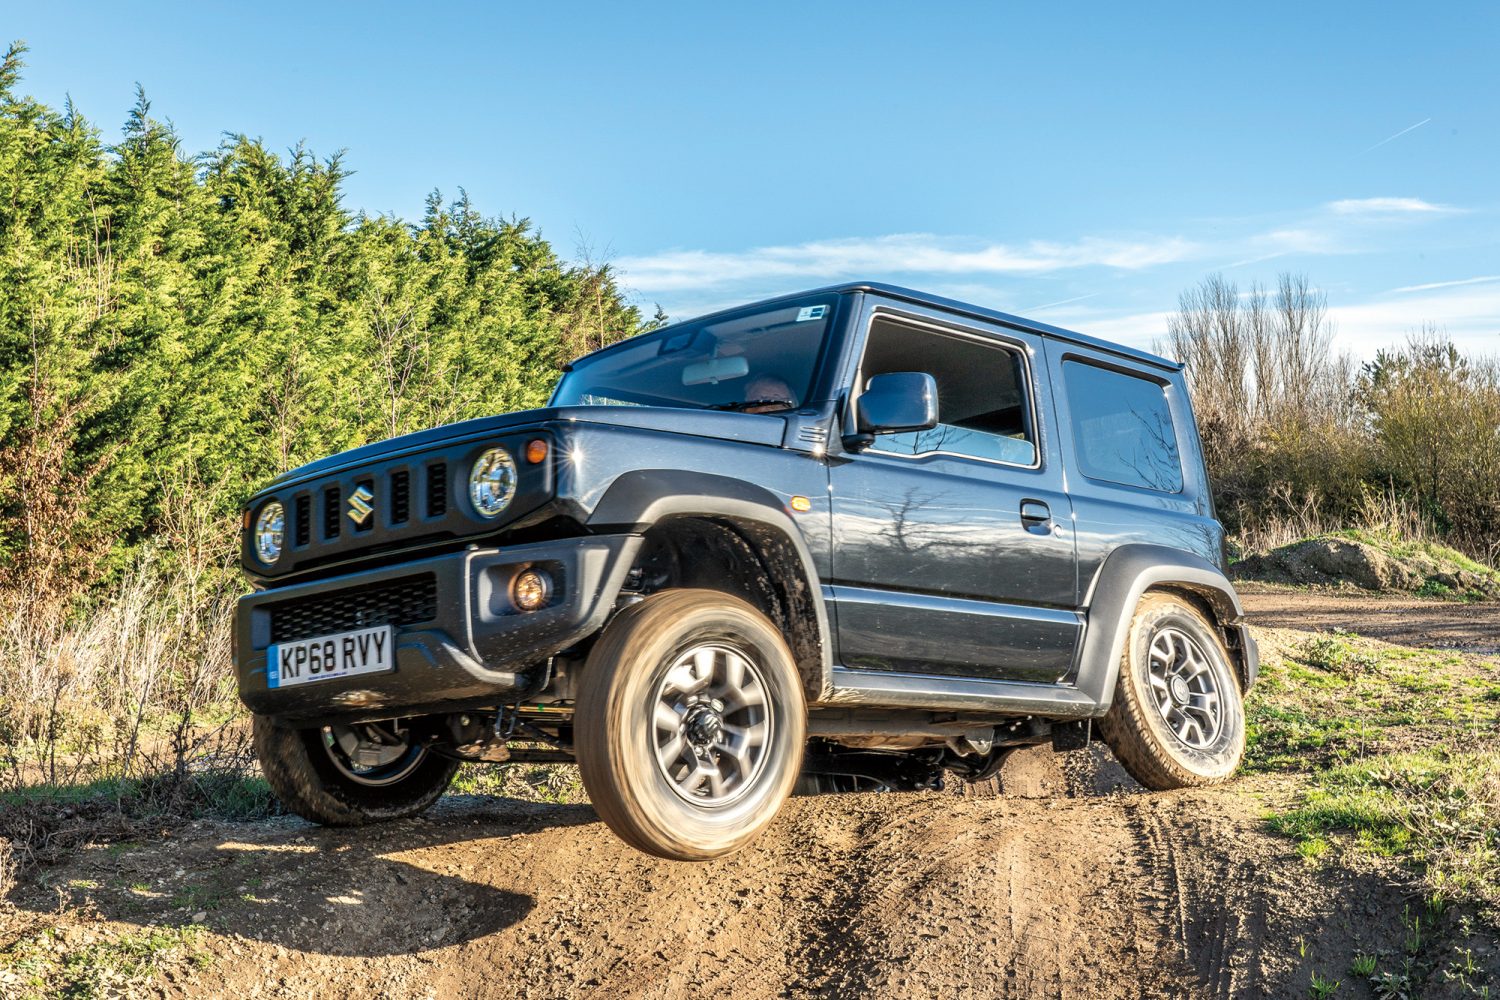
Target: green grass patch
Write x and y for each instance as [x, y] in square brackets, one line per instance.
[208, 794]
[1436, 810]
[558, 784]
[1335, 697]
[1409, 549]
[49, 964]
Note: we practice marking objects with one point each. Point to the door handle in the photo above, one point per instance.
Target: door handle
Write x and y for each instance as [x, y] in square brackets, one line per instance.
[1036, 517]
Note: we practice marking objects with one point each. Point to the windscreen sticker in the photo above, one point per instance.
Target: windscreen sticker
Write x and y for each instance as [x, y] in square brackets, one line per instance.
[811, 312]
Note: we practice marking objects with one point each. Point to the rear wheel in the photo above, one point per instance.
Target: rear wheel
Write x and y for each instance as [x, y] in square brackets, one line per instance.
[350, 775]
[1177, 718]
[690, 724]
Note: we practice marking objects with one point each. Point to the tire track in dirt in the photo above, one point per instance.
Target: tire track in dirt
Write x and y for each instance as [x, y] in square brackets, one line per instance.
[1200, 899]
[911, 895]
[1115, 893]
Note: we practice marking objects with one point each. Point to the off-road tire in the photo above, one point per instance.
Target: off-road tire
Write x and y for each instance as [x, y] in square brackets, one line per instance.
[615, 735]
[304, 778]
[1135, 728]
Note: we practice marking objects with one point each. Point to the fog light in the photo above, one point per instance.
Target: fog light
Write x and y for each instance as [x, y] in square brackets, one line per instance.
[531, 589]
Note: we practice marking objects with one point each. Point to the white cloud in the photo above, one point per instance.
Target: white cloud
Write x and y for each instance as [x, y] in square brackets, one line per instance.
[679, 274]
[1469, 315]
[1141, 330]
[1062, 274]
[1388, 206]
[902, 253]
[1482, 280]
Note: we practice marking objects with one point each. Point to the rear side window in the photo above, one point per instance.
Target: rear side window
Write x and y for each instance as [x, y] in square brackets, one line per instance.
[1122, 428]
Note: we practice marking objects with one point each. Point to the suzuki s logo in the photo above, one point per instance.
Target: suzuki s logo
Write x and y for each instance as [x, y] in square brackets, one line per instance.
[361, 505]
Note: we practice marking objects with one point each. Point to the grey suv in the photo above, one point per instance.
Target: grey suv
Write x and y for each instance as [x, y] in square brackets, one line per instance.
[859, 531]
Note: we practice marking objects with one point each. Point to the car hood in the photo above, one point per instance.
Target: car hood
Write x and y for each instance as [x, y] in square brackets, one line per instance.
[749, 428]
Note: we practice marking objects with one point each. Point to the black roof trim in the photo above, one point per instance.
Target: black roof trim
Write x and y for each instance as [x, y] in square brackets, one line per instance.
[995, 315]
[937, 302]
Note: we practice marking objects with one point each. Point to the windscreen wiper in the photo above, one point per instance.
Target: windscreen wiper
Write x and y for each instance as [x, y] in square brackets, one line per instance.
[746, 404]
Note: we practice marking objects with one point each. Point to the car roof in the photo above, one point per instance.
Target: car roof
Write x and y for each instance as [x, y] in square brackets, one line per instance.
[911, 295]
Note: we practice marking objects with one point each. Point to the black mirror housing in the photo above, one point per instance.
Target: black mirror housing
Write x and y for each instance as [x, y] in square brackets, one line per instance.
[898, 401]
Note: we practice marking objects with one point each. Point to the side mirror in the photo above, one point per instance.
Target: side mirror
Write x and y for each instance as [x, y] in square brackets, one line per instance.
[893, 403]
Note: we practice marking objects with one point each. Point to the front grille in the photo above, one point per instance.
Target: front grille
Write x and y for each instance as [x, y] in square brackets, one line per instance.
[414, 501]
[437, 490]
[405, 601]
[331, 512]
[400, 497]
[302, 531]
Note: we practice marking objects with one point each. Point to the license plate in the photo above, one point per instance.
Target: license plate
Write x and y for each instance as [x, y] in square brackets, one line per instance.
[367, 651]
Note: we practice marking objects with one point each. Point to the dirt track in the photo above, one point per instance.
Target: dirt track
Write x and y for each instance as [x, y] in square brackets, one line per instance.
[1431, 624]
[1124, 894]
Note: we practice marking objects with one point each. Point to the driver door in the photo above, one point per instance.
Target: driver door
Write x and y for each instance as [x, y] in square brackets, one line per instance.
[953, 550]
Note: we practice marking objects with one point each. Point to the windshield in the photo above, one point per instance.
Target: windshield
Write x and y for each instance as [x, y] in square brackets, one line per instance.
[759, 362]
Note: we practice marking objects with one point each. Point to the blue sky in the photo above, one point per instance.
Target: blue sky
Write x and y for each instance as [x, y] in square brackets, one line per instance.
[1082, 167]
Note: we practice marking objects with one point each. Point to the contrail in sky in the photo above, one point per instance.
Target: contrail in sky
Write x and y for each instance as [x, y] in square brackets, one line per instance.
[1398, 135]
[1064, 302]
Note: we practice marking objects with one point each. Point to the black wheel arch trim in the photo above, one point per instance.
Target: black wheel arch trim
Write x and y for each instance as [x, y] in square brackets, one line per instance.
[638, 500]
[1125, 576]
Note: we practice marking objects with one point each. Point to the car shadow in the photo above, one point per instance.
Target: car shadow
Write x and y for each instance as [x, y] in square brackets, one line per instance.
[387, 889]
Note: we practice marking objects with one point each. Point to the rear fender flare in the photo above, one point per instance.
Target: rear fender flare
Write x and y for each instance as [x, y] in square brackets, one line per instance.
[1122, 580]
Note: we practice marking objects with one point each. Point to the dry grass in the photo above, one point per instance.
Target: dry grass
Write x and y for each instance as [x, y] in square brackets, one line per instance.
[117, 704]
[9, 868]
[1287, 519]
[89, 693]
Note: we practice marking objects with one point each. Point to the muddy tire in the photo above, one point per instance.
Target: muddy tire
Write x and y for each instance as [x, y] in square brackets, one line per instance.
[314, 775]
[1178, 718]
[690, 724]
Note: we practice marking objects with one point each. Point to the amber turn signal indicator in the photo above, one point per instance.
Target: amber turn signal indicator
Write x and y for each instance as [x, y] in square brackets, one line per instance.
[536, 451]
[801, 504]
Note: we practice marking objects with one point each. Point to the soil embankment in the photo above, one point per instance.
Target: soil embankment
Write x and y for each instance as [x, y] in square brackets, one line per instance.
[1098, 891]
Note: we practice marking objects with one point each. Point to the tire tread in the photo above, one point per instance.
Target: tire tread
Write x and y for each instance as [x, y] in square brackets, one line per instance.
[1128, 731]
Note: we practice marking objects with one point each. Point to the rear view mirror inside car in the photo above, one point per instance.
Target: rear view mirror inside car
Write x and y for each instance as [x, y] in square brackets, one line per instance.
[715, 370]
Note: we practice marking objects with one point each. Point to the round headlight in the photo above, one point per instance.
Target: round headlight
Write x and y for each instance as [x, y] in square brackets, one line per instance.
[270, 527]
[492, 482]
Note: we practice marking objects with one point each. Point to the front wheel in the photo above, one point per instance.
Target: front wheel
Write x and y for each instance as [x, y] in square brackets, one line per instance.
[350, 775]
[1177, 718]
[690, 724]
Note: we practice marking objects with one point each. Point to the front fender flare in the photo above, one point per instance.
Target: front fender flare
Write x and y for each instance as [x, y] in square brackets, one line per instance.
[638, 500]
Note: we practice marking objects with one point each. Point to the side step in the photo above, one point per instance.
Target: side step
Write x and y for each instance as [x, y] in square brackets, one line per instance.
[958, 694]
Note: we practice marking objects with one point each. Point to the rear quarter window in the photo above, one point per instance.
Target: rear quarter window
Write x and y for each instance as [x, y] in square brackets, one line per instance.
[1122, 428]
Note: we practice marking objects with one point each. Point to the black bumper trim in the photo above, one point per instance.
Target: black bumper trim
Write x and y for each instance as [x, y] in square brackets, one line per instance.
[476, 647]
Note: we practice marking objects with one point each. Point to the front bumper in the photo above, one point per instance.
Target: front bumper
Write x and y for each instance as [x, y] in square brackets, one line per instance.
[460, 642]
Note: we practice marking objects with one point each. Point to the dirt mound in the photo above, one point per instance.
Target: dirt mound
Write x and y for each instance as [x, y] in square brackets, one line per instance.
[1095, 889]
[885, 895]
[1369, 564]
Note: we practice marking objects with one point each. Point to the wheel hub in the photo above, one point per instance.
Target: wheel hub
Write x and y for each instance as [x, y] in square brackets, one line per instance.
[372, 754]
[712, 723]
[703, 725]
[1186, 684]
